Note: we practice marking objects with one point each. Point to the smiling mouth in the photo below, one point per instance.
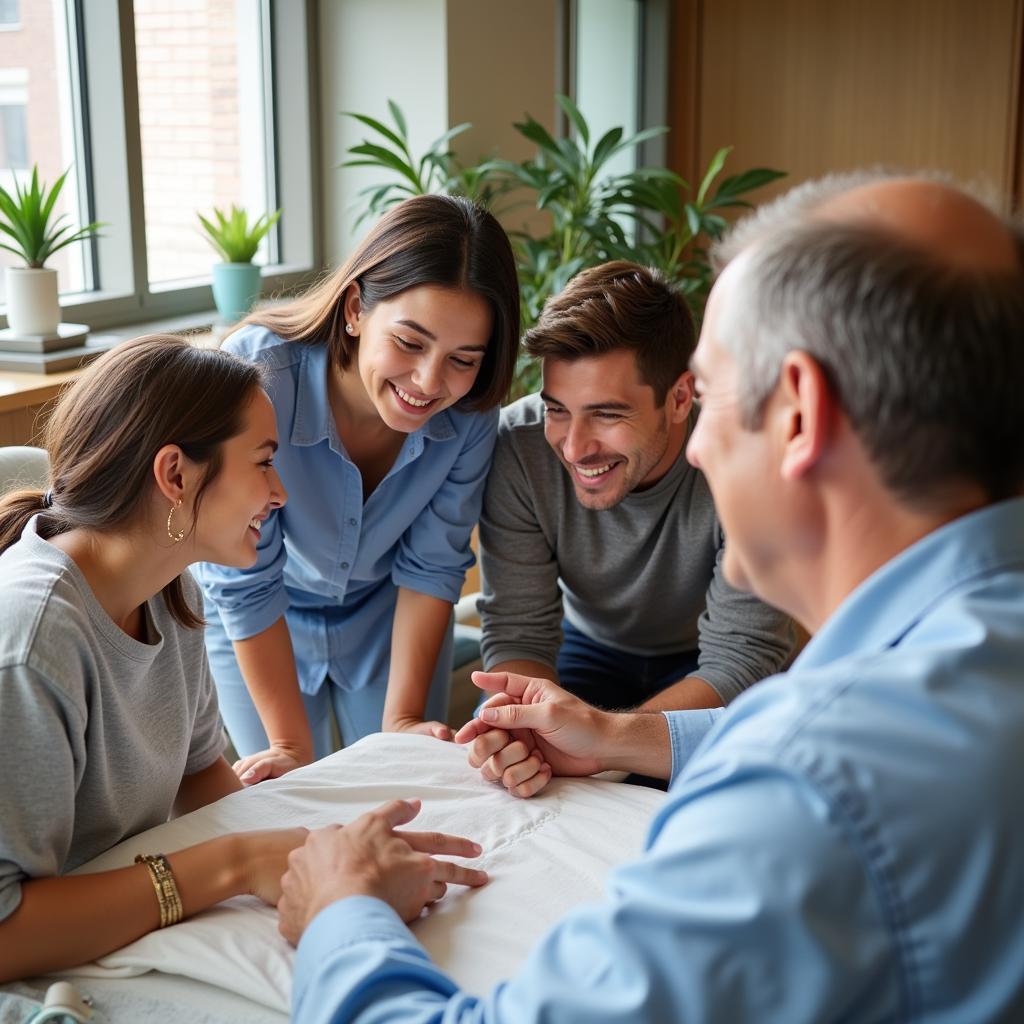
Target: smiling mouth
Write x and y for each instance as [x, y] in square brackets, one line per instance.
[593, 474]
[411, 400]
[255, 524]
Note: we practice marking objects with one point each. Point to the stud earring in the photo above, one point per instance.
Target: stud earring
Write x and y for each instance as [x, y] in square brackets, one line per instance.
[348, 328]
[176, 538]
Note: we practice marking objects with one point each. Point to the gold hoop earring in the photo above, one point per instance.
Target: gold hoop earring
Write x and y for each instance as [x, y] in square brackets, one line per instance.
[176, 538]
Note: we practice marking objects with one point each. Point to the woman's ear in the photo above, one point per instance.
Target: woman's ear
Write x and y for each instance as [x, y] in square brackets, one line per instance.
[353, 309]
[170, 471]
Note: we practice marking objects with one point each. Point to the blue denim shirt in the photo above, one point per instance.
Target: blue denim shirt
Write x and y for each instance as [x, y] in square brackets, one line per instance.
[846, 844]
[331, 563]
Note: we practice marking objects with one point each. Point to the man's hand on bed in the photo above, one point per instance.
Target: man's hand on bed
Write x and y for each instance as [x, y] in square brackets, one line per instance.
[530, 730]
[271, 763]
[370, 857]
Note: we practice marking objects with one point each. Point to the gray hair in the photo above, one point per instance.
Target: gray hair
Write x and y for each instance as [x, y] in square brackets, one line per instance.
[925, 358]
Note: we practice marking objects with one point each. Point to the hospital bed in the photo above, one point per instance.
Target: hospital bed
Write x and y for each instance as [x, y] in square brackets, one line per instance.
[229, 964]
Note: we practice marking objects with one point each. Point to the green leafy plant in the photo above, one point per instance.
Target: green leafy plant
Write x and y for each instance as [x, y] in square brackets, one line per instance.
[26, 218]
[436, 171]
[233, 237]
[648, 215]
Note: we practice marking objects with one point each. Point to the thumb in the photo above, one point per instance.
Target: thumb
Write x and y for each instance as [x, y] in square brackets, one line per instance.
[517, 716]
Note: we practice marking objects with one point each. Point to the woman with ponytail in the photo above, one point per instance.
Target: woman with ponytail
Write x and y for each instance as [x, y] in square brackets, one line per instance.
[160, 456]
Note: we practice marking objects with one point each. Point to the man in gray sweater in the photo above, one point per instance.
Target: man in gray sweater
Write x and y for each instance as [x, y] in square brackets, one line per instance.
[600, 545]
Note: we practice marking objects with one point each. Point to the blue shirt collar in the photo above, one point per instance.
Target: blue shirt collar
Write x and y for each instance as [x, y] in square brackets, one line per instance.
[890, 602]
[313, 421]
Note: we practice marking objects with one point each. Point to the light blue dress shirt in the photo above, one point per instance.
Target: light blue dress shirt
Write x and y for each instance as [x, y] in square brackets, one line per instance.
[331, 563]
[846, 844]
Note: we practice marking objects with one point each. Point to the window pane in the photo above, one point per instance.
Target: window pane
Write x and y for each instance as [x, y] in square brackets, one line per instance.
[201, 112]
[38, 121]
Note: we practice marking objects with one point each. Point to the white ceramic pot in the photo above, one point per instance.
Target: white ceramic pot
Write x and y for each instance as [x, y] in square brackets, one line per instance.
[33, 306]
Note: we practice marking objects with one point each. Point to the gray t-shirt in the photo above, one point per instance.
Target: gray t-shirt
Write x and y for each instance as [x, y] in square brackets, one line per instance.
[644, 576]
[96, 729]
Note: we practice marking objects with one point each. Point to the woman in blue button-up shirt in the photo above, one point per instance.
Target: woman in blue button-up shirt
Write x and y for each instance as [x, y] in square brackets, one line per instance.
[385, 380]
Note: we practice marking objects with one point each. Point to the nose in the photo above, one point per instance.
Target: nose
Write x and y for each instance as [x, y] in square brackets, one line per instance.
[578, 443]
[278, 495]
[427, 375]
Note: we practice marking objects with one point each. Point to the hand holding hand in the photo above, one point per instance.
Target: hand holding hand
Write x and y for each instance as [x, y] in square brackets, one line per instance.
[370, 858]
[530, 730]
[438, 730]
[271, 763]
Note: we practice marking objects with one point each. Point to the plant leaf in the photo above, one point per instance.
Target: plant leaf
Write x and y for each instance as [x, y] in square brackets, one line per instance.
[574, 115]
[717, 163]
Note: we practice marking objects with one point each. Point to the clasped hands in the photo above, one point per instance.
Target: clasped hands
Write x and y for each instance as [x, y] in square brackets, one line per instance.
[530, 730]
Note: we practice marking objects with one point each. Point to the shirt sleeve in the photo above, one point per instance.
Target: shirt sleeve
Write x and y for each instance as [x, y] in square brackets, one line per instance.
[434, 552]
[741, 639]
[520, 604]
[39, 732]
[686, 731]
[750, 904]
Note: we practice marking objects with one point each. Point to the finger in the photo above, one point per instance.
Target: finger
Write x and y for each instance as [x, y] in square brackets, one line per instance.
[486, 746]
[531, 787]
[397, 812]
[518, 716]
[471, 730]
[257, 772]
[502, 682]
[437, 891]
[516, 752]
[458, 874]
[521, 771]
[440, 730]
[441, 842]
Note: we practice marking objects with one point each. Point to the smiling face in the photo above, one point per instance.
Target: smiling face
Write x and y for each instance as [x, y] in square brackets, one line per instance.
[242, 495]
[419, 352]
[604, 425]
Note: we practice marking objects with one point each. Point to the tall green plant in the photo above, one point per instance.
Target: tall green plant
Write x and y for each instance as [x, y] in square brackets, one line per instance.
[648, 215]
[26, 218]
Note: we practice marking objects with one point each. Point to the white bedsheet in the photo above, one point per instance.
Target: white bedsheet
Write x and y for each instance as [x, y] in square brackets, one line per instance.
[544, 856]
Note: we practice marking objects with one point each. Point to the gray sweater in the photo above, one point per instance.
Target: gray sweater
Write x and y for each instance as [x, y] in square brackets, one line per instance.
[96, 728]
[643, 577]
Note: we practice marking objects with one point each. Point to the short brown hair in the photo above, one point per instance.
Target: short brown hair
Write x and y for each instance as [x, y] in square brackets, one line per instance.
[619, 305]
[446, 241]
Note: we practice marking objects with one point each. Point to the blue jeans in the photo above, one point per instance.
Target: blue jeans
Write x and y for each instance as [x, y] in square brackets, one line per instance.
[614, 680]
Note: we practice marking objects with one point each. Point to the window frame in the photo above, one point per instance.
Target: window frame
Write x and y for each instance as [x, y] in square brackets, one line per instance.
[102, 42]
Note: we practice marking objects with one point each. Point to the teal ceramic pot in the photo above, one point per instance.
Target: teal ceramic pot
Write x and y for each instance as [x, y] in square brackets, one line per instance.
[236, 286]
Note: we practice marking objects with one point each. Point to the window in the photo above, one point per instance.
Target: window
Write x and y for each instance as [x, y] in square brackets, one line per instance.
[10, 16]
[204, 125]
[188, 124]
[38, 104]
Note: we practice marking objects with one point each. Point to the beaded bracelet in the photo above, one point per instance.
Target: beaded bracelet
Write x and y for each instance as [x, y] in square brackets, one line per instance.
[165, 887]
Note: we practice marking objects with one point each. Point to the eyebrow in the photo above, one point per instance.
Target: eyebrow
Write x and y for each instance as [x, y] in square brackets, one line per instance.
[269, 443]
[593, 406]
[433, 337]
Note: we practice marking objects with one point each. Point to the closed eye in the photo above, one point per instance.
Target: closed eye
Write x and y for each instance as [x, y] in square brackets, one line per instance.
[407, 346]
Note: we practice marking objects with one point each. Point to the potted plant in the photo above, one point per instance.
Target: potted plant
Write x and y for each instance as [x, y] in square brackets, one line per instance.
[236, 281]
[33, 234]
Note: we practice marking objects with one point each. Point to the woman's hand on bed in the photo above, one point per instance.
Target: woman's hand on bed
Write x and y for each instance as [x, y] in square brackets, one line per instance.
[370, 857]
[271, 763]
[438, 730]
[264, 859]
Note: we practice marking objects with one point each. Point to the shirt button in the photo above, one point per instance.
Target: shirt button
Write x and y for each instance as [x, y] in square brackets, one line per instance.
[353, 522]
[344, 565]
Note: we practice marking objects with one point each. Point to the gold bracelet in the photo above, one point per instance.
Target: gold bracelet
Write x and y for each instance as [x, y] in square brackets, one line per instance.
[166, 888]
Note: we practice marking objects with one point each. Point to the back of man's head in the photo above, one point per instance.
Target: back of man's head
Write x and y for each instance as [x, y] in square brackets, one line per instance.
[619, 305]
[910, 296]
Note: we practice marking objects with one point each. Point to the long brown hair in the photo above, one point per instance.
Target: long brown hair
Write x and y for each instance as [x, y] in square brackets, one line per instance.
[107, 427]
[446, 241]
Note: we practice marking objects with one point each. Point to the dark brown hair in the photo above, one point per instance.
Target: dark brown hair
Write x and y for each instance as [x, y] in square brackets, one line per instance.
[619, 305]
[107, 427]
[445, 241]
